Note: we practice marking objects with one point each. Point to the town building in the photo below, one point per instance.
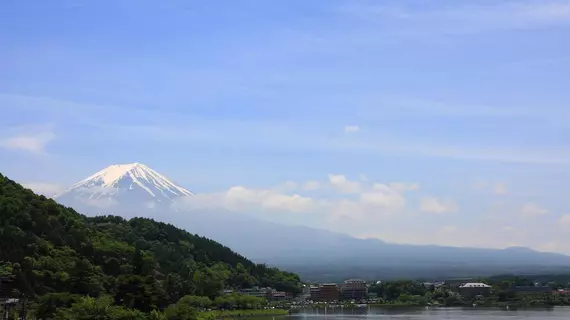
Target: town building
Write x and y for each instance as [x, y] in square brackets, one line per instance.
[563, 292]
[454, 284]
[329, 292]
[354, 289]
[278, 295]
[473, 289]
[325, 292]
[256, 292]
[315, 293]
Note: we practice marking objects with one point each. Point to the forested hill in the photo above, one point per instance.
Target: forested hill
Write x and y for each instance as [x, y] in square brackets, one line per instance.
[47, 248]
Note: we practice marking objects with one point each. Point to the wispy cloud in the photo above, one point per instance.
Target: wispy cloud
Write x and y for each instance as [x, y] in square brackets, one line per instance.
[34, 143]
[532, 210]
[500, 189]
[46, 189]
[351, 129]
[497, 188]
[132, 124]
[434, 205]
[461, 18]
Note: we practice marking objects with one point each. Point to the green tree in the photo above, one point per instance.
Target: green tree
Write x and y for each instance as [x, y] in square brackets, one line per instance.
[99, 309]
[49, 304]
[181, 311]
[84, 279]
[196, 302]
[137, 292]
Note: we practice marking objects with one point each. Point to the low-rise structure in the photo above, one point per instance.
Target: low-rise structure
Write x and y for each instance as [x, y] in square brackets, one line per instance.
[454, 284]
[473, 289]
[256, 292]
[563, 292]
[278, 295]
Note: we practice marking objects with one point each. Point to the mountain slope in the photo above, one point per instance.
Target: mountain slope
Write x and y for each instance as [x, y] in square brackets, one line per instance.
[321, 255]
[46, 248]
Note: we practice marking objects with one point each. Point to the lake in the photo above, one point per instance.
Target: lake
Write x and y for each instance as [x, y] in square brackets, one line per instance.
[434, 313]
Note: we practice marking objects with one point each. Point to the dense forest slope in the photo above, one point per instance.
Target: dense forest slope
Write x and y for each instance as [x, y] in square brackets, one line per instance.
[48, 248]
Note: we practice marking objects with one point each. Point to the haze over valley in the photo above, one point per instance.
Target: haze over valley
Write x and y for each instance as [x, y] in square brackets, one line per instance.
[135, 189]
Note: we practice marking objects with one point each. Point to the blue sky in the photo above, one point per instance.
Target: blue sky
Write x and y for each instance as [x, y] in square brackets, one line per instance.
[456, 110]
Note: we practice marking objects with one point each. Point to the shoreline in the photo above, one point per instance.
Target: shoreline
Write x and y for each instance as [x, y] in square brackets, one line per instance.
[231, 314]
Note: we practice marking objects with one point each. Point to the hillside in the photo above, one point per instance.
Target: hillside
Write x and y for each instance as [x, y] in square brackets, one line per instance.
[48, 248]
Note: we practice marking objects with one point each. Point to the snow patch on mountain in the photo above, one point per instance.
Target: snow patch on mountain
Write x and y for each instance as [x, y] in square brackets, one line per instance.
[135, 181]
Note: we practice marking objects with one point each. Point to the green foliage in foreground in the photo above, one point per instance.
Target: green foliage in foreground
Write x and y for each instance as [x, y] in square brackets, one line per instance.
[55, 256]
[103, 309]
[100, 309]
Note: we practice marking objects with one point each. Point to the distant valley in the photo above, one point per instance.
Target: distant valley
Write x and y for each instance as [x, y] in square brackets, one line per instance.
[319, 255]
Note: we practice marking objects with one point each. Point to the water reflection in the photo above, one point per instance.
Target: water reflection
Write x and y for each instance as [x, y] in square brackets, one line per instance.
[431, 313]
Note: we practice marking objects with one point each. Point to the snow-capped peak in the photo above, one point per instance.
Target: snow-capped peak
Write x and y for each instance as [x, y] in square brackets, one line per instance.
[123, 178]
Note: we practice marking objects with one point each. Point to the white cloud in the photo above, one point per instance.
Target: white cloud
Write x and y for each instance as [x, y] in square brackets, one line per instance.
[433, 205]
[311, 185]
[532, 209]
[500, 189]
[480, 185]
[508, 228]
[391, 199]
[240, 198]
[342, 184]
[34, 143]
[565, 219]
[449, 229]
[404, 187]
[46, 189]
[497, 188]
[351, 129]
[348, 200]
[287, 186]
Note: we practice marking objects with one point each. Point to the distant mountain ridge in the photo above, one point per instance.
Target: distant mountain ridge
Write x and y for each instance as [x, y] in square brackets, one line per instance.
[305, 250]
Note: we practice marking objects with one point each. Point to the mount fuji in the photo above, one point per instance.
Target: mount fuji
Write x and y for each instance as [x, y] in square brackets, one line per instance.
[124, 188]
[131, 190]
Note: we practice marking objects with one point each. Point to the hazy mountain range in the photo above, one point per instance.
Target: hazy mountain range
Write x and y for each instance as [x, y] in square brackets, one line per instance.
[137, 190]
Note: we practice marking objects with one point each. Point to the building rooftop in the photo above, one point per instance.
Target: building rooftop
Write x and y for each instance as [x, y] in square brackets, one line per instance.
[354, 281]
[475, 285]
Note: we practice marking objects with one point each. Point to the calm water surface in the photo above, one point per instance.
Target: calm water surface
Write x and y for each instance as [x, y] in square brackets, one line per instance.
[435, 313]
